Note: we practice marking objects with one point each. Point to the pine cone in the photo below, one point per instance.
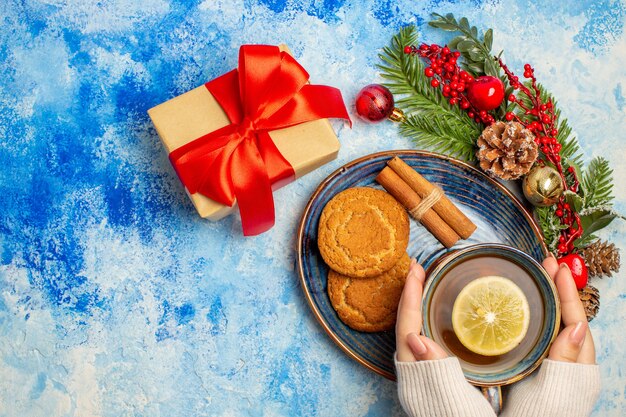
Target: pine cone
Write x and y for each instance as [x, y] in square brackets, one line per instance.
[590, 297]
[506, 150]
[602, 258]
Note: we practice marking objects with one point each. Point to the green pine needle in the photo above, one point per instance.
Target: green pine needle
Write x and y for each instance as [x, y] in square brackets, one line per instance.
[433, 132]
[550, 226]
[597, 184]
[432, 123]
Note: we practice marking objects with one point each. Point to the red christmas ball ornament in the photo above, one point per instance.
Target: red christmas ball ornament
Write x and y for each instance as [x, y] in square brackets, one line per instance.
[486, 92]
[577, 265]
[374, 103]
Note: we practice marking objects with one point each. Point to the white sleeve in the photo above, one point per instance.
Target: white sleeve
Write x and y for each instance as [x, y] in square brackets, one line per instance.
[556, 389]
[439, 388]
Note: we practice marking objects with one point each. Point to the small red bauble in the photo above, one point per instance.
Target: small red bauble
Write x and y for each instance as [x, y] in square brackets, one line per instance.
[577, 265]
[486, 92]
[374, 103]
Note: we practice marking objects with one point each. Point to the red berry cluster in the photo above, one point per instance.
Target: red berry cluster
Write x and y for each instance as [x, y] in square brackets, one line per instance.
[540, 118]
[572, 219]
[544, 125]
[446, 74]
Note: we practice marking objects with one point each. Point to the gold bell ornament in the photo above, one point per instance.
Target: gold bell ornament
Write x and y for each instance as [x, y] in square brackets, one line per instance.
[543, 186]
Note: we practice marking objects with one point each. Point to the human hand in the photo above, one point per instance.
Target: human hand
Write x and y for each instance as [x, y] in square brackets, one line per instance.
[574, 343]
[410, 345]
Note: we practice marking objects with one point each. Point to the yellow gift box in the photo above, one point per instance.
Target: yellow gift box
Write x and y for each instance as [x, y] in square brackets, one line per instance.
[187, 117]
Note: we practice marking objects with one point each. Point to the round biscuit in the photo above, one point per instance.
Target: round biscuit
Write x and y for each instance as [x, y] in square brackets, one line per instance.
[363, 232]
[369, 304]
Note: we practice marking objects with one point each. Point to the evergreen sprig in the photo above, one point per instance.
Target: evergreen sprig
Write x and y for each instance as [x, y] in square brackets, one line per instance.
[597, 184]
[431, 122]
[550, 226]
[595, 208]
[434, 133]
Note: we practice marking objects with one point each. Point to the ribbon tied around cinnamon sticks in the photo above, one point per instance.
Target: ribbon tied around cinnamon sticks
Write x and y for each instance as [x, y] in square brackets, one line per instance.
[425, 202]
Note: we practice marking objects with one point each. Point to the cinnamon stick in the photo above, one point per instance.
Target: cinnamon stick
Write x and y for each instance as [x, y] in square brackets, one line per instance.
[445, 208]
[409, 199]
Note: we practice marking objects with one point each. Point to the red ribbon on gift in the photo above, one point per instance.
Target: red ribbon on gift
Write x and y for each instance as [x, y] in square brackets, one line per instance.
[268, 91]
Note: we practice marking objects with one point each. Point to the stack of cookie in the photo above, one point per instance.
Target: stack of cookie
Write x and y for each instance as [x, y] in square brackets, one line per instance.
[363, 235]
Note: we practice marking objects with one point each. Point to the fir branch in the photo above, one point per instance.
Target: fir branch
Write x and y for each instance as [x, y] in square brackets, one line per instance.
[434, 132]
[403, 75]
[550, 226]
[597, 184]
[431, 121]
[570, 150]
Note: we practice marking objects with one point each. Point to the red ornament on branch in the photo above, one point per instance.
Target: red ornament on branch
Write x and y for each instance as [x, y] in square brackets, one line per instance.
[457, 85]
[486, 93]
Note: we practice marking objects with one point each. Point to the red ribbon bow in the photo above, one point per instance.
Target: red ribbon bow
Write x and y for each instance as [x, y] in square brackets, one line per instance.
[268, 91]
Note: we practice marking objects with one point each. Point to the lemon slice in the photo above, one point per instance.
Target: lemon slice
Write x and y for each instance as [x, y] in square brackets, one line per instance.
[490, 316]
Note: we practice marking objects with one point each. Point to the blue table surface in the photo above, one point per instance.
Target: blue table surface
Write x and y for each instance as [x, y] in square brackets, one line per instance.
[116, 299]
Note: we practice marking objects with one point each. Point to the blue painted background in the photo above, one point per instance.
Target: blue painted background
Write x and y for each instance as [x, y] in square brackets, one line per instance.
[117, 300]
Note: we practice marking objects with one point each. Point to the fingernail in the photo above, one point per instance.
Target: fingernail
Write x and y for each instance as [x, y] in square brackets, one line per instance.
[564, 266]
[551, 255]
[417, 346]
[413, 261]
[577, 336]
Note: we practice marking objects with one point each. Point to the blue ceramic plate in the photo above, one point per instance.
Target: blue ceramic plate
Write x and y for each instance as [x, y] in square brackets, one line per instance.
[500, 218]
